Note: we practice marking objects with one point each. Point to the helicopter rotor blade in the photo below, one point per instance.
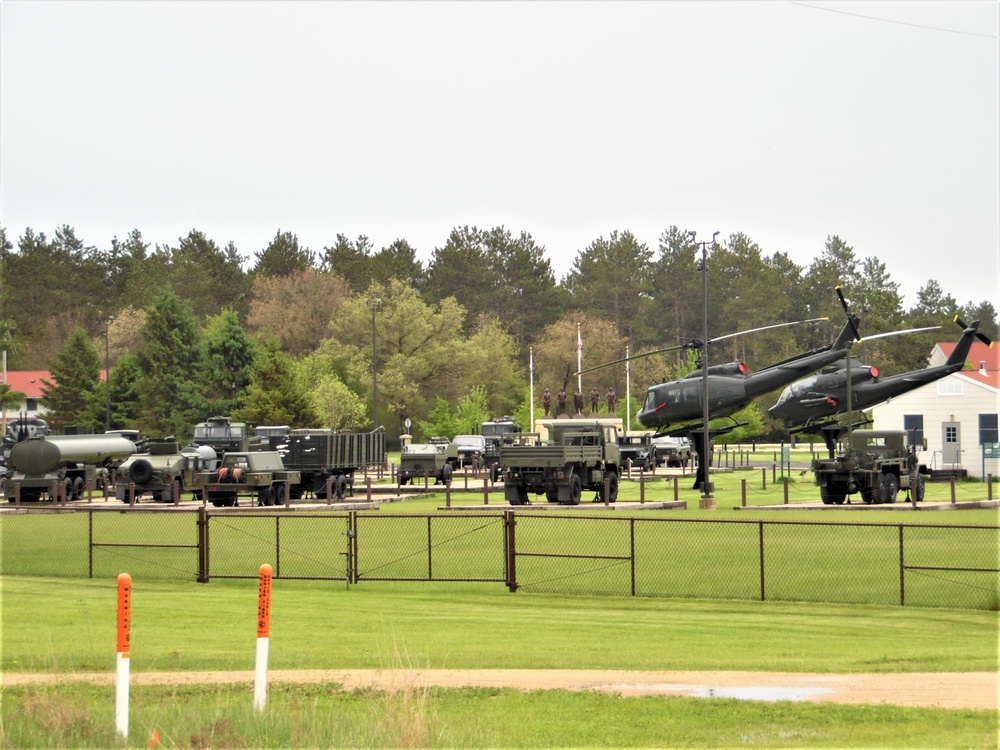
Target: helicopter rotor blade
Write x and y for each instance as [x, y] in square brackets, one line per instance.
[981, 336]
[765, 328]
[897, 333]
[631, 357]
[850, 317]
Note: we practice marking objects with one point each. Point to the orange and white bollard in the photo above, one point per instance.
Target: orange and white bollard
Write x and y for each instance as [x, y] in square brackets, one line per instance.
[124, 645]
[263, 638]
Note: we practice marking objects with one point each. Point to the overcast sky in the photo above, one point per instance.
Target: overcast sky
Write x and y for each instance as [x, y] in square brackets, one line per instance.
[787, 121]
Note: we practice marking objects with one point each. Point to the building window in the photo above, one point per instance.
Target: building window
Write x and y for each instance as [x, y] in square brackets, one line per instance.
[949, 387]
[913, 424]
[30, 404]
[988, 432]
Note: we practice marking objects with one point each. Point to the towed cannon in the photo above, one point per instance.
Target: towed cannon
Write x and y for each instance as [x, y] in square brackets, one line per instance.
[64, 463]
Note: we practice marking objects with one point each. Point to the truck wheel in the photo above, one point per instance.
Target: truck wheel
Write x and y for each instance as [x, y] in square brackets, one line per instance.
[167, 495]
[341, 485]
[68, 490]
[918, 488]
[141, 471]
[446, 474]
[887, 489]
[552, 493]
[262, 495]
[494, 474]
[832, 496]
[575, 490]
[79, 488]
[612, 480]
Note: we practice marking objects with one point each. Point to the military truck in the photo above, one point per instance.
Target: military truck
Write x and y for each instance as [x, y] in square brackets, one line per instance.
[672, 451]
[498, 433]
[325, 458]
[223, 434]
[156, 471]
[578, 456]
[63, 465]
[637, 450]
[259, 473]
[471, 450]
[876, 463]
[433, 459]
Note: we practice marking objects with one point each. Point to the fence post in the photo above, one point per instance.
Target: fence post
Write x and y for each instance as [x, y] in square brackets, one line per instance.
[763, 478]
[447, 494]
[510, 547]
[989, 487]
[131, 494]
[642, 489]
[202, 545]
[786, 490]
[677, 489]
[606, 487]
[774, 472]
[486, 490]
[743, 482]
[175, 490]
[329, 487]
[368, 488]
[952, 490]
[760, 528]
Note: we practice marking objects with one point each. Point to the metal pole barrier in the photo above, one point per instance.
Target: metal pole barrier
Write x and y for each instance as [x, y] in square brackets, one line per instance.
[642, 489]
[288, 494]
[124, 647]
[952, 490]
[368, 488]
[175, 490]
[263, 638]
[743, 482]
[329, 487]
[465, 477]
[131, 494]
[486, 490]
[774, 472]
[447, 494]
[786, 490]
[763, 478]
[677, 489]
[989, 487]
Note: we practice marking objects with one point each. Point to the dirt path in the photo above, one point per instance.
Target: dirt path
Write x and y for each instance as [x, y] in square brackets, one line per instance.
[976, 690]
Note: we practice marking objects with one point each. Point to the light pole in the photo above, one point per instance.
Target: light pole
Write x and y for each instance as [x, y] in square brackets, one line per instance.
[374, 305]
[107, 372]
[707, 500]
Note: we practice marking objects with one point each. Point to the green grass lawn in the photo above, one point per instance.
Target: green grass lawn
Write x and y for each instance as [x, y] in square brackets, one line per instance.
[67, 626]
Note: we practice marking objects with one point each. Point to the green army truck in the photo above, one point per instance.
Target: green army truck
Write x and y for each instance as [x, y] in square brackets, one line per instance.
[64, 465]
[876, 464]
[578, 455]
[434, 459]
[260, 474]
[164, 465]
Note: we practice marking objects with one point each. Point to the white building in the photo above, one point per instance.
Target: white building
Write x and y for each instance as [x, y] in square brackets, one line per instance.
[956, 415]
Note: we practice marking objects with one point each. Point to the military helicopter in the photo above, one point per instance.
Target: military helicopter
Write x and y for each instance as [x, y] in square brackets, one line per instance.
[678, 404]
[849, 384]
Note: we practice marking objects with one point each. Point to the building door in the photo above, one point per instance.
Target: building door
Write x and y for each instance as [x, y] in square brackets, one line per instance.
[952, 452]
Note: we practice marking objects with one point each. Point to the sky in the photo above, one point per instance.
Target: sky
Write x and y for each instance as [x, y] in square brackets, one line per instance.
[789, 122]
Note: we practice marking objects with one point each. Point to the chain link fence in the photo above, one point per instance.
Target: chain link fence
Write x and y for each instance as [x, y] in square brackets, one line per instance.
[771, 560]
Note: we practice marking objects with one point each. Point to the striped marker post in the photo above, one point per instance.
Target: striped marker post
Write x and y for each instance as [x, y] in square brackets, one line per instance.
[124, 644]
[263, 638]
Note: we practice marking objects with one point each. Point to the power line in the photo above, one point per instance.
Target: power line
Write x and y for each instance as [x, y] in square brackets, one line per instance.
[890, 20]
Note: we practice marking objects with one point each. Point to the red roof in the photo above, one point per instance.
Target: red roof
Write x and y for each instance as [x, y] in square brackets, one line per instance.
[978, 354]
[29, 382]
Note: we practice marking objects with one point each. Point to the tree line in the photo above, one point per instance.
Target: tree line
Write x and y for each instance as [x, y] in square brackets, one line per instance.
[288, 335]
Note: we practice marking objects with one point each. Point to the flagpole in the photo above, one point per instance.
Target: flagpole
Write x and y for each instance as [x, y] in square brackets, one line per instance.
[531, 386]
[579, 358]
[628, 391]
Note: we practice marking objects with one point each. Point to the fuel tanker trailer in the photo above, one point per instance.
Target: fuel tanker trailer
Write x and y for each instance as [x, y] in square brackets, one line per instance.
[57, 464]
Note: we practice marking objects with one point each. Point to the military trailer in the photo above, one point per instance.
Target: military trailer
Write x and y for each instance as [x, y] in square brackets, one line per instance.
[433, 459]
[877, 464]
[157, 471]
[578, 456]
[326, 458]
[257, 473]
[63, 465]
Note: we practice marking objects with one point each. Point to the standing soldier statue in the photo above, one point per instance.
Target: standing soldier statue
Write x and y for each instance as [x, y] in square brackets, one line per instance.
[612, 398]
[561, 399]
[595, 399]
[578, 402]
[547, 400]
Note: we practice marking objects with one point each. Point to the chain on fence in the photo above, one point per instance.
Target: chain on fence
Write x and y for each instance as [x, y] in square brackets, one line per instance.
[772, 560]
